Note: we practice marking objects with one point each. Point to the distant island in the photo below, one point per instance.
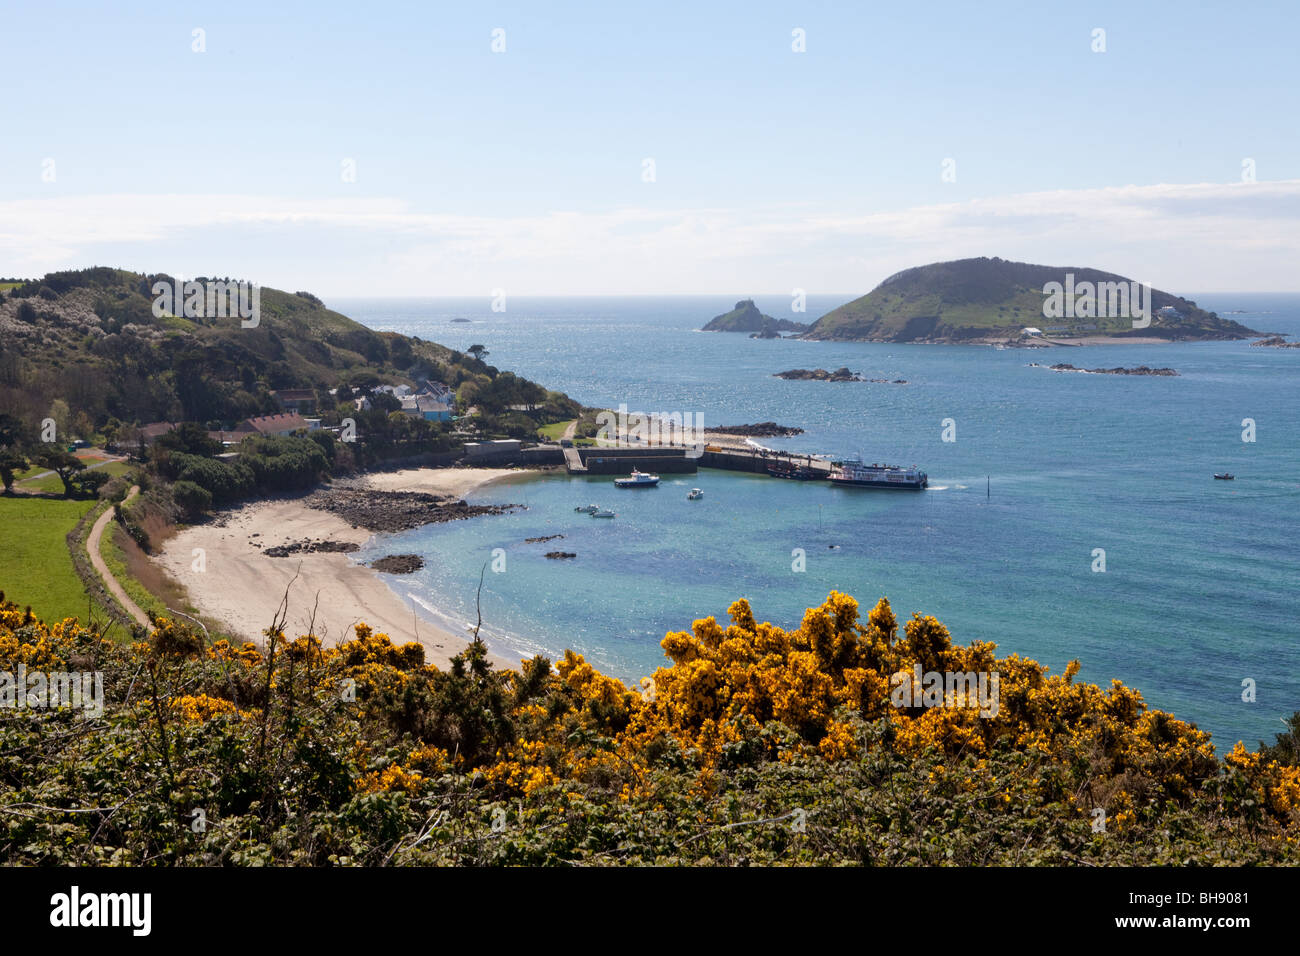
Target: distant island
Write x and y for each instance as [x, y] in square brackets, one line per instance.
[994, 301]
[1276, 342]
[745, 317]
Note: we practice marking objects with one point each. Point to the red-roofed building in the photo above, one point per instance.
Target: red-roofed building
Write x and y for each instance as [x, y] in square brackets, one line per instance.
[232, 437]
[284, 424]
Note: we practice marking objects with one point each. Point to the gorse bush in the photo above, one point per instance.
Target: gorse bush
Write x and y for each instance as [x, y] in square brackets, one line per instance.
[754, 744]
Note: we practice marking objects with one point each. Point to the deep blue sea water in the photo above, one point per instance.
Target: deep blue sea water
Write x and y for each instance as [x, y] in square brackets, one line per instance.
[1199, 591]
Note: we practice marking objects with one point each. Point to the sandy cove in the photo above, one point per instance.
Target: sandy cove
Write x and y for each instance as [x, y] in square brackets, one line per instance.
[242, 587]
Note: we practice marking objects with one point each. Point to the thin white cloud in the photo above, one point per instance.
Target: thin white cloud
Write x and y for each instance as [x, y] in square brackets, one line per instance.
[1179, 236]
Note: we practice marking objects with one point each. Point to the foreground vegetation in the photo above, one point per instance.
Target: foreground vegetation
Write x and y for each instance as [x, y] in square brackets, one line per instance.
[754, 745]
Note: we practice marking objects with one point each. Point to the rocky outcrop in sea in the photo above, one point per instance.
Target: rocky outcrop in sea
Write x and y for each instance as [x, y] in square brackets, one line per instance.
[1140, 370]
[819, 375]
[760, 430]
[398, 563]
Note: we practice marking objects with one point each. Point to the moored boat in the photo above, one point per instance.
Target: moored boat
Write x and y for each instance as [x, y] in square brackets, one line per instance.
[854, 472]
[638, 479]
[694, 494]
[1226, 476]
[787, 469]
[603, 513]
[587, 509]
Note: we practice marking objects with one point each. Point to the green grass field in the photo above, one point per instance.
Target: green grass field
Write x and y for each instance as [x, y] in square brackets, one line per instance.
[554, 431]
[35, 567]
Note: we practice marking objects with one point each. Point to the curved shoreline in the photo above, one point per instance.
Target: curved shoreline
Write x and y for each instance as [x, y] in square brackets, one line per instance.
[228, 576]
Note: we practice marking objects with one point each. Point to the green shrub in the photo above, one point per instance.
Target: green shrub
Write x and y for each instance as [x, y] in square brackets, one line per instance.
[195, 499]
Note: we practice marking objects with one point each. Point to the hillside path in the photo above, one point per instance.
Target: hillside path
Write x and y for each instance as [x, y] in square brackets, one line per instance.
[92, 546]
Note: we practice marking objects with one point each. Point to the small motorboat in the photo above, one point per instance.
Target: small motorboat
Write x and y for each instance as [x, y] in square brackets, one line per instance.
[603, 513]
[587, 509]
[1225, 476]
[638, 479]
[694, 494]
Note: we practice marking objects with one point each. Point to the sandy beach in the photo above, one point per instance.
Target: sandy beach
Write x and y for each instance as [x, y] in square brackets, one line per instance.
[242, 587]
[455, 482]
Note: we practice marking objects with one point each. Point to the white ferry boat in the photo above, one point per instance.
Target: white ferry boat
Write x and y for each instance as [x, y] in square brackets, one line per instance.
[638, 479]
[877, 476]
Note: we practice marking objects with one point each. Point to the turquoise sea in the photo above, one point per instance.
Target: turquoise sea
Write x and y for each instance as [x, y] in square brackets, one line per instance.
[1198, 595]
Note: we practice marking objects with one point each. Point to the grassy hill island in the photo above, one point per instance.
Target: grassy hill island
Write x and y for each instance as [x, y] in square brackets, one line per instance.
[983, 300]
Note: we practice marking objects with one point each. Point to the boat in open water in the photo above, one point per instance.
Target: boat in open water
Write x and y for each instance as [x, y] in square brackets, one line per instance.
[854, 472]
[1226, 476]
[638, 479]
[694, 494]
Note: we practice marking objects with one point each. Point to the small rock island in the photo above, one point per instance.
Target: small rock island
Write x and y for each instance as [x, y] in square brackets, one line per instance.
[745, 317]
[1140, 370]
[841, 374]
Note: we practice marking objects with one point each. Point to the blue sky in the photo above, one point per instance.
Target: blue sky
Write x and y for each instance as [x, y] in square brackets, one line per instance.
[523, 170]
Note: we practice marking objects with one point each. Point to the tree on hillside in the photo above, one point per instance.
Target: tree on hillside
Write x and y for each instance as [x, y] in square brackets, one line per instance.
[62, 416]
[89, 482]
[385, 402]
[480, 352]
[190, 438]
[61, 462]
[12, 461]
[15, 436]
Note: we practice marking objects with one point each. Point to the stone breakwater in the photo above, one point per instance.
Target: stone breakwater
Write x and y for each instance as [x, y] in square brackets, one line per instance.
[397, 510]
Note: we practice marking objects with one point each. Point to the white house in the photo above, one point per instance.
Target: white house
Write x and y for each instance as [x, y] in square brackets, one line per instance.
[1030, 330]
